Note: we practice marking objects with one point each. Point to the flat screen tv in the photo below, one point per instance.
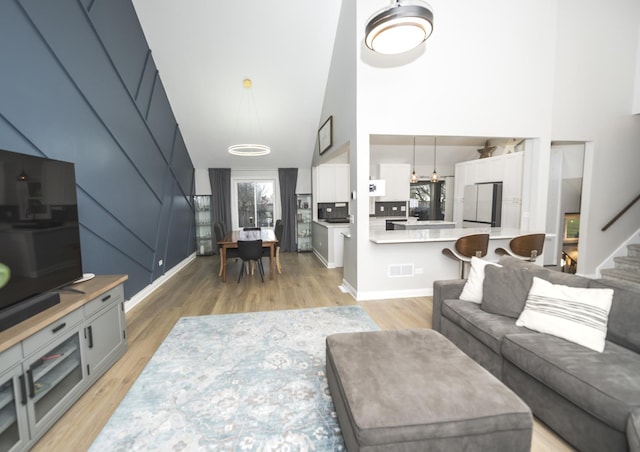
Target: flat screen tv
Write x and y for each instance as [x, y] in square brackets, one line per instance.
[39, 234]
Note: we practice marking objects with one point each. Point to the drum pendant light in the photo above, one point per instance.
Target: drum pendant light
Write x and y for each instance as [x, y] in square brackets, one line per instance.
[399, 27]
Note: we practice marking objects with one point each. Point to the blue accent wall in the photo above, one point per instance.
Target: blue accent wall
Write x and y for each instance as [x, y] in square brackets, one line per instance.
[78, 83]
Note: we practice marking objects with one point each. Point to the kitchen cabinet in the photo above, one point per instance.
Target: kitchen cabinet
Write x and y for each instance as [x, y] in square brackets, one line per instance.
[328, 243]
[506, 168]
[512, 190]
[14, 431]
[48, 361]
[397, 181]
[104, 332]
[331, 183]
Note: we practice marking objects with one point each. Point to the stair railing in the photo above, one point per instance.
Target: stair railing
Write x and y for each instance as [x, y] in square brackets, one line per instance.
[622, 212]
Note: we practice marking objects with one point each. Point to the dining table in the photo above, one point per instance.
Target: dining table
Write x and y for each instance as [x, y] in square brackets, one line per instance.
[230, 240]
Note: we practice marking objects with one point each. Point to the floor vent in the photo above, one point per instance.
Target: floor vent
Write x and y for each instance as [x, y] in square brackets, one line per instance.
[400, 270]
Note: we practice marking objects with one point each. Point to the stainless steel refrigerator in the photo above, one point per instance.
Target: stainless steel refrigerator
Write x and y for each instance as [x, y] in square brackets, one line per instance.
[482, 205]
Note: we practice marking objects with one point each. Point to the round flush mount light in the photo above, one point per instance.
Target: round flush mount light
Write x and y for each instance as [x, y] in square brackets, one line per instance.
[249, 150]
[399, 27]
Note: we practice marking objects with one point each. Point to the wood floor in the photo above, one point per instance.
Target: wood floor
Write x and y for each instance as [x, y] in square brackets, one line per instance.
[197, 290]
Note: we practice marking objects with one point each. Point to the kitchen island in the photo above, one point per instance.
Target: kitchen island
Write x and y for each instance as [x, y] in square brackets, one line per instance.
[328, 243]
[408, 262]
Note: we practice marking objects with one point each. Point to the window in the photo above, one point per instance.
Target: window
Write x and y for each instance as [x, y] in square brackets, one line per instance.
[424, 196]
[255, 203]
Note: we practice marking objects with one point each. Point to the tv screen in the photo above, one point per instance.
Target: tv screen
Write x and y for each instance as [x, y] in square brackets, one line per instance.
[39, 233]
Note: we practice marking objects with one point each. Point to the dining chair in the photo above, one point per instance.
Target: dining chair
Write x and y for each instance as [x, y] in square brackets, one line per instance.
[279, 229]
[526, 247]
[231, 252]
[466, 247]
[248, 251]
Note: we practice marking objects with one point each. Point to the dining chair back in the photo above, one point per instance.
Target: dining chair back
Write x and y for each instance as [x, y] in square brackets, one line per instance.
[218, 231]
[279, 230]
[248, 251]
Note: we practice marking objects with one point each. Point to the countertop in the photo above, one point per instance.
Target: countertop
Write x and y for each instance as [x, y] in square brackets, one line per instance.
[332, 225]
[439, 235]
[414, 223]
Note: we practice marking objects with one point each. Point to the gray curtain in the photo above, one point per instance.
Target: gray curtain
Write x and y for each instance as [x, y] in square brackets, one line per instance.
[288, 178]
[220, 179]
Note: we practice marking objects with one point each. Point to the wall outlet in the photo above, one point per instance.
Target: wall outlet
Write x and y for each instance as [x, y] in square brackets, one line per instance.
[160, 262]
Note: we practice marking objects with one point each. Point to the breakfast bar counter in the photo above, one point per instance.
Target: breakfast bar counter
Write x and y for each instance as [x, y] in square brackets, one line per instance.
[439, 235]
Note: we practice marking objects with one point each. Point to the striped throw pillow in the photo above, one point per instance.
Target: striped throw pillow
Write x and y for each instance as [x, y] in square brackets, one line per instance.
[576, 314]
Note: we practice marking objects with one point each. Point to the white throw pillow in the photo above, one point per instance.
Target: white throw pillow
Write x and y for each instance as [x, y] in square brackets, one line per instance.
[576, 314]
[472, 290]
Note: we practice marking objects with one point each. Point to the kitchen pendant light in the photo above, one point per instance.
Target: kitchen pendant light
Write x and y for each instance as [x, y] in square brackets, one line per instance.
[434, 175]
[414, 178]
[248, 102]
[399, 27]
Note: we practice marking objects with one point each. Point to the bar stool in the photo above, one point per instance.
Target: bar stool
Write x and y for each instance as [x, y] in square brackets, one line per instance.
[526, 247]
[466, 247]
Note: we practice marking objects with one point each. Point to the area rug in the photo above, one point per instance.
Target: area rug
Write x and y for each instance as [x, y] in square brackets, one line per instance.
[248, 382]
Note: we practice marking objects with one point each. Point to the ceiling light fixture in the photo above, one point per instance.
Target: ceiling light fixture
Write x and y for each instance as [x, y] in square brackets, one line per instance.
[414, 178]
[399, 27]
[249, 150]
[434, 175]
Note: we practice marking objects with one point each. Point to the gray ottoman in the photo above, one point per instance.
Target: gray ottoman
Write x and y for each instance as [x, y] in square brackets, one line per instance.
[413, 390]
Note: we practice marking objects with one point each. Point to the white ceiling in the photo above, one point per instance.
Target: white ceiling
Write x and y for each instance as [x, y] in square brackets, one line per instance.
[203, 49]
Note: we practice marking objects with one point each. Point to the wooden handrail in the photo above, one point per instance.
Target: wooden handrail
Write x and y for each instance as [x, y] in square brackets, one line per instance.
[622, 212]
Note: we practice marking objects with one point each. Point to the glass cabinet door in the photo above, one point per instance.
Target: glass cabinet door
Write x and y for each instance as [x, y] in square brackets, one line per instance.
[53, 376]
[303, 223]
[12, 427]
[204, 228]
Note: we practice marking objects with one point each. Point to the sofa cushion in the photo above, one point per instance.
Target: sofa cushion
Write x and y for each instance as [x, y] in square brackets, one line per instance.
[487, 328]
[606, 384]
[505, 288]
[472, 290]
[577, 314]
[624, 316]
[633, 431]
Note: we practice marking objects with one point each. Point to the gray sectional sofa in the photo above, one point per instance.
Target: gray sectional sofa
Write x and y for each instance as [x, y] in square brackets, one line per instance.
[591, 399]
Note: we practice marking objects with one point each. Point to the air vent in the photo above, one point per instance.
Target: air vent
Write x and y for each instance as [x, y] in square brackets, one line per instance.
[400, 270]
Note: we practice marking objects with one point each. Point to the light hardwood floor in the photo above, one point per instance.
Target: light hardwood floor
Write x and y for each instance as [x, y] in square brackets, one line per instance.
[197, 290]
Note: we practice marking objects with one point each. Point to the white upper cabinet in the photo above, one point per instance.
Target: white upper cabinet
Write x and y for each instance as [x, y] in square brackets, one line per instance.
[397, 181]
[331, 183]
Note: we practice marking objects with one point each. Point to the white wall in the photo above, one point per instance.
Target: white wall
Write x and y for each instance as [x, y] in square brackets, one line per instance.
[203, 184]
[340, 102]
[486, 71]
[595, 79]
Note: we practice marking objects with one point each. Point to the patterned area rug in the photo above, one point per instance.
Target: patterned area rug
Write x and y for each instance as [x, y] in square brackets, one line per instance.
[249, 382]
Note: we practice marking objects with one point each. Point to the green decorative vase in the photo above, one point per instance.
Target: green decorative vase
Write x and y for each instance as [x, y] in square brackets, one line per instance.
[5, 275]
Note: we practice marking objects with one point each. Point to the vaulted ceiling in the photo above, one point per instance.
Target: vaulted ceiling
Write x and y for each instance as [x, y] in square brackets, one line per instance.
[203, 50]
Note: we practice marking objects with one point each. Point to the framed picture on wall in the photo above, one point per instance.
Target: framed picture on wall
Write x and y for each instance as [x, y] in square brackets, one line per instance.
[325, 135]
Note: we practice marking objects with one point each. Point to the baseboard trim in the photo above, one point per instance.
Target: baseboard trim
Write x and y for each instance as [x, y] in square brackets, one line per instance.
[384, 294]
[148, 290]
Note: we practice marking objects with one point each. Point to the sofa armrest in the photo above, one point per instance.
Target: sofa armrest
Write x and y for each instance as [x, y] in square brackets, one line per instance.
[633, 430]
[443, 290]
